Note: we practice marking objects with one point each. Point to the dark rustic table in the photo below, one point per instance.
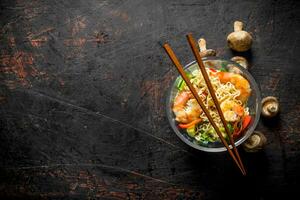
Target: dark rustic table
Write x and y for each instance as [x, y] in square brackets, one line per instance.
[83, 90]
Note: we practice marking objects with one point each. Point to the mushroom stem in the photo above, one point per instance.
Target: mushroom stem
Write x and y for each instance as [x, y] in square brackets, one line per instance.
[202, 44]
[203, 51]
[238, 26]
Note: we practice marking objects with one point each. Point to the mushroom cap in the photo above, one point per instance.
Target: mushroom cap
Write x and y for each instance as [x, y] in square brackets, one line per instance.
[234, 69]
[208, 52]
[241, 61]
[239, 41]
[203, 51]
[255, 142]
[270, 106]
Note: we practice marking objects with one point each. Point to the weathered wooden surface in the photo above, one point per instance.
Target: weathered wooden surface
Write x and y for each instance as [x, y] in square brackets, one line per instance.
[82, 99]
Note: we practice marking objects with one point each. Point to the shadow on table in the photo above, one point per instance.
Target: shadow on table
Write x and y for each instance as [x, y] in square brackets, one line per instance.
[217, 174]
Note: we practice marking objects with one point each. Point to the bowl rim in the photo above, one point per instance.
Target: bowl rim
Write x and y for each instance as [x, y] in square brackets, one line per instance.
[240, 140]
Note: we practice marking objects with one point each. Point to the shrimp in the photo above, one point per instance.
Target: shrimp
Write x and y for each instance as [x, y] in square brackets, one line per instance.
[239, 82]
[186, 108]
[231, 110]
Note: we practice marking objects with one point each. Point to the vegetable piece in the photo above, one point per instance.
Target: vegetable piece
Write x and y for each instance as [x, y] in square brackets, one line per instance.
[246, 121]
[223, 131]
[212, 135]
[181, 84]
[230, 127]
[213, 70]
[236, 130]
[203, 51]
[225, 136]
[196, 121]
[191, 131]
[222, 69]
[239, 40]
[270, 107]
[238, 110]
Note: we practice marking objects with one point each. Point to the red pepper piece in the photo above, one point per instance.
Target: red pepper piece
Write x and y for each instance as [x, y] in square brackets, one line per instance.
[196, 121]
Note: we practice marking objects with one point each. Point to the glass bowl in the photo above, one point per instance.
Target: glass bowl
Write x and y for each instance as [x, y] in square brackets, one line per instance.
[254, 104]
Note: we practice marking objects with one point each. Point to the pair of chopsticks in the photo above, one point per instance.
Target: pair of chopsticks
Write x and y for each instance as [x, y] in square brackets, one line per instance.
[235, 155]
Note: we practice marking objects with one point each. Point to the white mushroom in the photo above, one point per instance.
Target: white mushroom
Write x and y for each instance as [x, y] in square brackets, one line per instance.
[203, 51]
[241, 61]
[239, 40]
[270, 106]
[255, 142]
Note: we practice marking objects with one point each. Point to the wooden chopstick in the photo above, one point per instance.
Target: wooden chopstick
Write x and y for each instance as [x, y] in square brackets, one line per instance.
[192, 89]
[213, 95]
